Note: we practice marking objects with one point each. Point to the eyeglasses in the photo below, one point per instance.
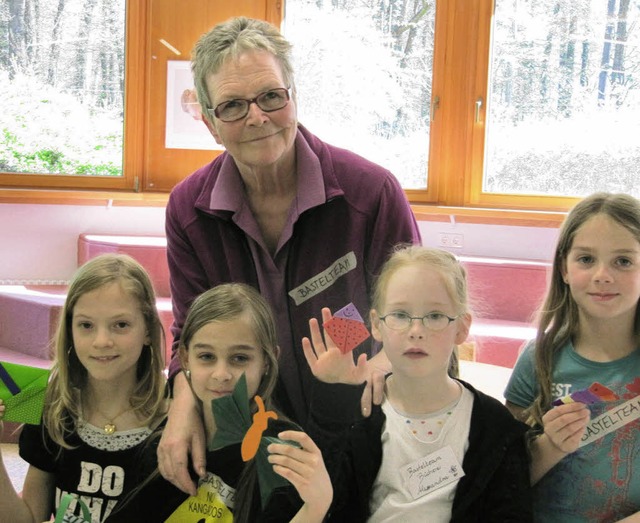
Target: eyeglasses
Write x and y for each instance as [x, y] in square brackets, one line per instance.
[399, 321]
[236, 109]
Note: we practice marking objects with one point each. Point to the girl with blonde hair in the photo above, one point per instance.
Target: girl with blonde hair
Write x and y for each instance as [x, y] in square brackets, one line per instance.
[104, 398]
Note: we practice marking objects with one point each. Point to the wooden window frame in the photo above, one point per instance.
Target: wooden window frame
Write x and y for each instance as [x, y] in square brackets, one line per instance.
[456, 156]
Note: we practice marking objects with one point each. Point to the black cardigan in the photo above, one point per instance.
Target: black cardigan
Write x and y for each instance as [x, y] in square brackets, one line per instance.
[495, 487]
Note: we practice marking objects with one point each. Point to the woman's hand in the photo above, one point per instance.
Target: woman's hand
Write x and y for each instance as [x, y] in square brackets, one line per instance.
[373, 393]
[182, 435]
[326, 360]
[304, 468]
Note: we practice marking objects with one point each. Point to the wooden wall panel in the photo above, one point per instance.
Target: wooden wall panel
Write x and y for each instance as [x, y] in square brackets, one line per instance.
[181, 23]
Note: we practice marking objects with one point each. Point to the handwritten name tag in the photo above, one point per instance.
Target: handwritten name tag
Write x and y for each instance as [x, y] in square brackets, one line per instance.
[611, 420]
[431, 472]
[325, 279]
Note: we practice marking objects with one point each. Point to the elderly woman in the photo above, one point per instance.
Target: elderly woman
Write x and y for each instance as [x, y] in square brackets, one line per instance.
[306, 223]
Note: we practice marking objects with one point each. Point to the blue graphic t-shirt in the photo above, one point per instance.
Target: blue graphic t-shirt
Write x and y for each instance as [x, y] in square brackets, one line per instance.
[601, 480]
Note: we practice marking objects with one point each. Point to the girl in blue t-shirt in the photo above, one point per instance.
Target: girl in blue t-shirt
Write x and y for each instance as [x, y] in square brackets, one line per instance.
[585, 458]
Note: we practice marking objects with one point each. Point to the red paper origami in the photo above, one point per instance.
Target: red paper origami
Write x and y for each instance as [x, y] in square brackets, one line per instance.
[346, 328]
[594, 394]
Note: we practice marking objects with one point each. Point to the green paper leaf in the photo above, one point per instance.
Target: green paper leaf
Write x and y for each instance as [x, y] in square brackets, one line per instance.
[232, 416]
[233, 419]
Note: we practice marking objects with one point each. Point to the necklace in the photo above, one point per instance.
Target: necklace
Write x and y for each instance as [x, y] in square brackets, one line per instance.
[110, 427]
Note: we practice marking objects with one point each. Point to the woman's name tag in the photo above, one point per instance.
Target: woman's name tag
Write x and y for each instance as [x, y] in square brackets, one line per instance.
[432, 472]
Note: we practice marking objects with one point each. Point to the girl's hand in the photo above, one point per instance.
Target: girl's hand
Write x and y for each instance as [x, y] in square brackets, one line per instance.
[564, 425]
[304, 468]
[563, 429]
[327, 362]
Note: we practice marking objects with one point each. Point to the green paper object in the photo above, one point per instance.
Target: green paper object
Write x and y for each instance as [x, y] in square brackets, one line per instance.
[232, 416]
[65, 501]
[233, 419]
[23, 389]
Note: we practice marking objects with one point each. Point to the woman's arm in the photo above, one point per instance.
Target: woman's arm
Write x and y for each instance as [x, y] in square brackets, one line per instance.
[182, 436]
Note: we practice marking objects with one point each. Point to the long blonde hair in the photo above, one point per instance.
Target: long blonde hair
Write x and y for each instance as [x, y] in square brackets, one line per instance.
[69, 377]
[558, 317]
[223, 303]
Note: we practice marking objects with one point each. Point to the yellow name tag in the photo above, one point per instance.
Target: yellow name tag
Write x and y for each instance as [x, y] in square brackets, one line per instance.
[211, 504]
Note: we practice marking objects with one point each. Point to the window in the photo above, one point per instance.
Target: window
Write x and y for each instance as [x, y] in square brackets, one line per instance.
[363, 78]
[564, 109]
[62, 86]
[560, 78]
[501, 104]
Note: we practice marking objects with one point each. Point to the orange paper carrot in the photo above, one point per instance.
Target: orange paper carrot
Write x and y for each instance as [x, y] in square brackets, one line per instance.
[252, 438]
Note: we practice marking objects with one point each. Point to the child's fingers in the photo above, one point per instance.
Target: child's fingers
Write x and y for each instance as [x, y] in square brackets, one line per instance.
[302, 438]
[565, 408]
[326, 314]
[284, 453]
[309, 354]
[565, 425]
[305, 443]
[300, 461]
[316, 337]
[567, 413]
[304, 468]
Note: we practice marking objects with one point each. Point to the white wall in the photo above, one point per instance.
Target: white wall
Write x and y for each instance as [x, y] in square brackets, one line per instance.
[39, 242]
[500, 241]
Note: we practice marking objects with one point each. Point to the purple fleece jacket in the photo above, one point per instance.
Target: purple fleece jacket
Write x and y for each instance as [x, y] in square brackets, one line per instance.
[335, 252]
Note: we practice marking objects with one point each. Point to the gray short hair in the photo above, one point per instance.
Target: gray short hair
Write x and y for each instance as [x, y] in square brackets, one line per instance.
[229, 40]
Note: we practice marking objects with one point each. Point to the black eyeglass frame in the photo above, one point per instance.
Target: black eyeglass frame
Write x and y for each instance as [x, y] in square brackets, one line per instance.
[421, 318]
[215, 111]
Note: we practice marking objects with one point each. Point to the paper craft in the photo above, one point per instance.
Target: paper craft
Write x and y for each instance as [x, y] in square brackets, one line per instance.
[211, 503]
[594, 394]
[72, 500]
[22, 389]
[346, 328]
[234, 425]
[251, 440]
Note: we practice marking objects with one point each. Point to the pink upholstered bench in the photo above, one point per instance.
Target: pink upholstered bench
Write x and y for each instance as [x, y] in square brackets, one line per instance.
[149, 251]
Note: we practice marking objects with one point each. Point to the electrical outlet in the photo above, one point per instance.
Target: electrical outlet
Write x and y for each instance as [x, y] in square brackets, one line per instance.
[444, 240]
[448, 239]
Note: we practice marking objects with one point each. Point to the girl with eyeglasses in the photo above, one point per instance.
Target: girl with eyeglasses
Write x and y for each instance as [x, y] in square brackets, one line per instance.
[436, 449]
